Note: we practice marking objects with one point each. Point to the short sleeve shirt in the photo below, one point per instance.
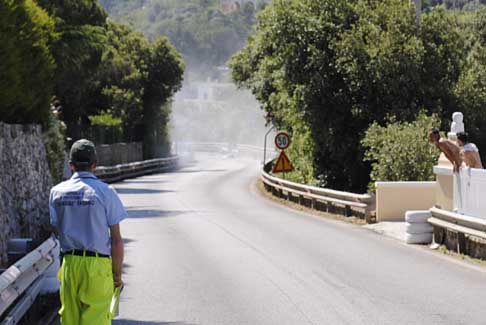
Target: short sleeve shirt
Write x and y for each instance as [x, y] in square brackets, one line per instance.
[82, 209]
[470, 147]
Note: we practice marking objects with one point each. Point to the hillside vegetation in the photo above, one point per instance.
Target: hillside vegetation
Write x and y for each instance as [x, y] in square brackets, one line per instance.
[201, 30]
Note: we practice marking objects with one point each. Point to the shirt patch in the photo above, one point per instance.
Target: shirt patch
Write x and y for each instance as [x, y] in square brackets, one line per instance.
[80, 198]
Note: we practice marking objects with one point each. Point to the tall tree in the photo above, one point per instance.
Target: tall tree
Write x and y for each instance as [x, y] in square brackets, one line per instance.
[26, 63]
[165, 71]
[137, 79]
[78, 50]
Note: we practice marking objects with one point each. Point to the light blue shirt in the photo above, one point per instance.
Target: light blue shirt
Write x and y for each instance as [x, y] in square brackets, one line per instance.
[82, 209]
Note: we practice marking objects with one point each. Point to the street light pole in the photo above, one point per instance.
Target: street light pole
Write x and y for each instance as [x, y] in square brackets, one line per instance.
[418, 10]
[265, 144]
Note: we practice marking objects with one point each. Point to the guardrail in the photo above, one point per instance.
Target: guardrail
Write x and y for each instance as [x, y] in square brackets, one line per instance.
[453, 230]
[22, 281]
[319, 198]
[316, 197]
[119, 172]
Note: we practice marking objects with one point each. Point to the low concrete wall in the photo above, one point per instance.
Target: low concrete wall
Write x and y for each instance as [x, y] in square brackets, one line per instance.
[119, 153]
[444, 198]
[393, 199]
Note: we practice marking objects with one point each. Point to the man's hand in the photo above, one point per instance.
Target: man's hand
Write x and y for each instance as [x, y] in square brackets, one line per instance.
[456, 168]
[117, 280]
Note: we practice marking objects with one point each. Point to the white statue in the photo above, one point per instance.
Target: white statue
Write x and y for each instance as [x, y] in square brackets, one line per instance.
[457, 125]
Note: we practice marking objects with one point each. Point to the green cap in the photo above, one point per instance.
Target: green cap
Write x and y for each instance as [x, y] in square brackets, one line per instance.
[83, 152]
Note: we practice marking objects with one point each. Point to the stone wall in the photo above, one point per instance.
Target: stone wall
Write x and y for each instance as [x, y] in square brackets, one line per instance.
[25, 182]
[119, 153]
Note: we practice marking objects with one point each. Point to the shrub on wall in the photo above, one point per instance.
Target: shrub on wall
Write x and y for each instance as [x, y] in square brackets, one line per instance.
[53, 136]
[400, 151]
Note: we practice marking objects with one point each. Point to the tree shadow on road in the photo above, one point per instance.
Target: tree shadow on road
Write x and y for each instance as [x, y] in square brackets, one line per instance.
[154, 213]
[136, 322]
[191, 171]
[122, 190]
[143, 181]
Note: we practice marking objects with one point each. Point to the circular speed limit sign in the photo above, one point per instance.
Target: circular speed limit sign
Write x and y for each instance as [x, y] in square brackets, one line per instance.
[282, 140]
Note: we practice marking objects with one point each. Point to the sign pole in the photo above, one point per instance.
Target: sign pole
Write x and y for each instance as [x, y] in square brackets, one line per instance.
[283, 164]
[265, 145]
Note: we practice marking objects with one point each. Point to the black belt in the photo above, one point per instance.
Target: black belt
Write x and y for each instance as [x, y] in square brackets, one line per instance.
[79, 252]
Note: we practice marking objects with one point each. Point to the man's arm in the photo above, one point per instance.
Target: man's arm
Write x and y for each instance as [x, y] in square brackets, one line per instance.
[116, 254]
[52, 225]
[453, 157]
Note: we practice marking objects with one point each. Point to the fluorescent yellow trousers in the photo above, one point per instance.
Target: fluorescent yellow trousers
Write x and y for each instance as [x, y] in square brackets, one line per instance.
[86, 290]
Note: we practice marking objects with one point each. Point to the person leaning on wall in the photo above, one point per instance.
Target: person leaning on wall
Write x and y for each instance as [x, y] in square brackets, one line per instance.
[85, 214]
[449, 148]
[469, 151]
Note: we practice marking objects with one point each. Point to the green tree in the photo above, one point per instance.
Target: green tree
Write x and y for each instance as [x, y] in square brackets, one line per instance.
[77, 52]
[137, 79]
[26, 63]
[400, 151]
[471, 87]
[338, 66]
[122, 77]
[165, 71]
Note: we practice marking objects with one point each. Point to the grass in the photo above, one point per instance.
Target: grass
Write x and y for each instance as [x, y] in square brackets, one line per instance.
[477, 261]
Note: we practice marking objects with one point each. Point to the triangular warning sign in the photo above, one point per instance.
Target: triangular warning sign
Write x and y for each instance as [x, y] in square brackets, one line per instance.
[283, 164]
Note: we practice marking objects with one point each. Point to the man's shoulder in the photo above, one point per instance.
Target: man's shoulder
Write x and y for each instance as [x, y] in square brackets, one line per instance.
[103, 187]
[63, 186]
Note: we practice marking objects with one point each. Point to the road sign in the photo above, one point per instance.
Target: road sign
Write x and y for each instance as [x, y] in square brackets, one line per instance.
[283, 164]
[282, 140]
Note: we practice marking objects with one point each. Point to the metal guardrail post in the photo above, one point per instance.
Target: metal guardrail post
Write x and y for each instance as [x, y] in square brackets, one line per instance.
[16, 314]
[18, 277]
[119, 172]
[316, 195]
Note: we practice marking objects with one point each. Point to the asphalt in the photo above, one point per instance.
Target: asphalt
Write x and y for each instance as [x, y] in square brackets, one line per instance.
[204, 247]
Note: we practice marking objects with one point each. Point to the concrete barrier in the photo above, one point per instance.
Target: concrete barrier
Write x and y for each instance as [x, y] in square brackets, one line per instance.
[393, 199]
[119, 153]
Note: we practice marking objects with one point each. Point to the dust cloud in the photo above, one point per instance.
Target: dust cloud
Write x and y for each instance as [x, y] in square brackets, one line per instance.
[213, 111]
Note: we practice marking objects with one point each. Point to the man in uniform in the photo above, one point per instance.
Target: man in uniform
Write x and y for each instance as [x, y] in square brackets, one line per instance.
[449, 148]
[86, 213]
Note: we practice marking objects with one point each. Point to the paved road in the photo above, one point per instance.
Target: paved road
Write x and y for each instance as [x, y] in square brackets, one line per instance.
[202, 247]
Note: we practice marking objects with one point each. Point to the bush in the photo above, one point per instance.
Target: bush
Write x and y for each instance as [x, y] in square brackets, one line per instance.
[401, 151]
[105, 119]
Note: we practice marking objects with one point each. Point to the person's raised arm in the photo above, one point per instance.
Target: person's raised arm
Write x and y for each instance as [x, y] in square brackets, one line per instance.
[116, 254]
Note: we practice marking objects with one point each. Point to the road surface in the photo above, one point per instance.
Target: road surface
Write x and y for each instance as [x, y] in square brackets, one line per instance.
[203, 247]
